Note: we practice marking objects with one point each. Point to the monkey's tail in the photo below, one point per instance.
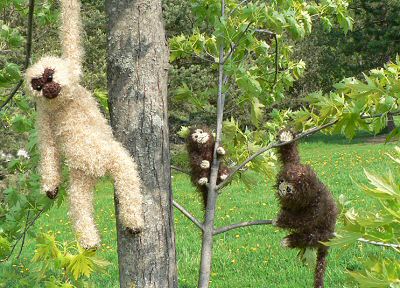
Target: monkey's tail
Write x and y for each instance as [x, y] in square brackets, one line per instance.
[320, 268]
[71, 29]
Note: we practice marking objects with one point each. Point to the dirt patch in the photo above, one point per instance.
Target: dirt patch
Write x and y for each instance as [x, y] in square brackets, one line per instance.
[379, 139]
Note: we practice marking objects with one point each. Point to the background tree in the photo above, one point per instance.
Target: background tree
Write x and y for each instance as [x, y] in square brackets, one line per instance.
[371, 44]
[137, 81]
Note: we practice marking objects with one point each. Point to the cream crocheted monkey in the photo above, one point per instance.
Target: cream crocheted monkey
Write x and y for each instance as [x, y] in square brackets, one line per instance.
[70, 124]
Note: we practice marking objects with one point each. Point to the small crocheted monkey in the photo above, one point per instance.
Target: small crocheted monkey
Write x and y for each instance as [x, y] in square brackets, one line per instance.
[200, 145]
[70, 124]
[307, 207]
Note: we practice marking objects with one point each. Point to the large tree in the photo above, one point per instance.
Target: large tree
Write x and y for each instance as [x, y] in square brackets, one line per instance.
[137, 81]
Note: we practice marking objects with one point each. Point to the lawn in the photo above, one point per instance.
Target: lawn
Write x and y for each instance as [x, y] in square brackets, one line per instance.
[252, 256]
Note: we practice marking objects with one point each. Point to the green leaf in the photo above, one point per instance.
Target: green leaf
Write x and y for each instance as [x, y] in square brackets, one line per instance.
[46, 248]
[184, 132]
[257, 111]
[382, 185]
[344, 240]
[370, 281]
[21, 123]
[5, 247]
[183, 93]
[84, 263]
[326, 23]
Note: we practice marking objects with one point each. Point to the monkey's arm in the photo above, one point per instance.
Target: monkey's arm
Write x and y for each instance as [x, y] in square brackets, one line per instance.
[198, 160]
[288, 153]
[71, 30]
[49, 166]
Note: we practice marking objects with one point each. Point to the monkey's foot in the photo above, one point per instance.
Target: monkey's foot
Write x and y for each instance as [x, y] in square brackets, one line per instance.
[203, 181]
[286, 136]
[223, 176]
[52, 194]
[89, 242]
[134, 231]
[285, 243]
[205, 164]
[221, 150]
[134, 224]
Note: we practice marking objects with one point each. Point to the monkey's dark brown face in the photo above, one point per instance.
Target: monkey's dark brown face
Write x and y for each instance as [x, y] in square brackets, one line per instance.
[50, 89]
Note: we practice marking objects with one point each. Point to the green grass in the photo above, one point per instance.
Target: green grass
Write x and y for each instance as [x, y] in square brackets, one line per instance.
[252, 256]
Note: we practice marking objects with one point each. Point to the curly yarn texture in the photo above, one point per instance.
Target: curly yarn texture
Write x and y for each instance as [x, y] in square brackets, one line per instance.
[70, 125]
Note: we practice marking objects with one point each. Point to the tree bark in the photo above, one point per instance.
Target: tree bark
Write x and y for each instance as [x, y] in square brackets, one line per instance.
[390, 123]
[137, 81]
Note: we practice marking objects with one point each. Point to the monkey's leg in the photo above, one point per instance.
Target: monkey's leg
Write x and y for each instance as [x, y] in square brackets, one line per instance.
[127, 190]
[300, 240]
[320, 267]
[81, 208]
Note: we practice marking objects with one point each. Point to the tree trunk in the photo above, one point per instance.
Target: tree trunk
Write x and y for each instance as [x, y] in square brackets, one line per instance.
[390, 123]
[137, 79]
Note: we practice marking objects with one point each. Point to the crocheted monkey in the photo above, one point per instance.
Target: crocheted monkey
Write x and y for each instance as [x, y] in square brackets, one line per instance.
[200, 145]
[70, 124]
[307, 207]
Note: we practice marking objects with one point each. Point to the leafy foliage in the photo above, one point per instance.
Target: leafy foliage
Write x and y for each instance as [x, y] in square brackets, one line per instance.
[256, 76]
[356, 104]
[379, 225]
[57, 264]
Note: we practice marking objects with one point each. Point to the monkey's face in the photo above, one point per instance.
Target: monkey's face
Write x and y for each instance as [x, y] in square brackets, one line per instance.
[49, 77]
[285, 189]
[200, 136]
[297, 185]
[46, 84]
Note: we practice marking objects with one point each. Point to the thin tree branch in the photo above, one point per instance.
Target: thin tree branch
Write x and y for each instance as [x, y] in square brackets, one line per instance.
[239, 225]
[274, 145]
[234, 9]
[24, 234]
[394, 113]
[28, 53]
[234, 46]
[29, 34]
[212, 195]
[265, 31]
[382, 244]
[179, 169]
[276, 60]
[188, 215]
[12, 94]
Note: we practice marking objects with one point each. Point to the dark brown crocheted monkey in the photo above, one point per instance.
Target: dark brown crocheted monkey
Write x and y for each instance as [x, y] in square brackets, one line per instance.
[200, 145]
[307, 207]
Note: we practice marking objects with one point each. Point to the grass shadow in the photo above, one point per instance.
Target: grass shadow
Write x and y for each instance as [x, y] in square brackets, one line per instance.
[361, 137]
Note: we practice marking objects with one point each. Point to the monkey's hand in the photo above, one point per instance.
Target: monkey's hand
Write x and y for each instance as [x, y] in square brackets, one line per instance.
[203, 181]
[52, 194]
[223, 176]
[286, 135]
[221, 151]
[205, 164]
